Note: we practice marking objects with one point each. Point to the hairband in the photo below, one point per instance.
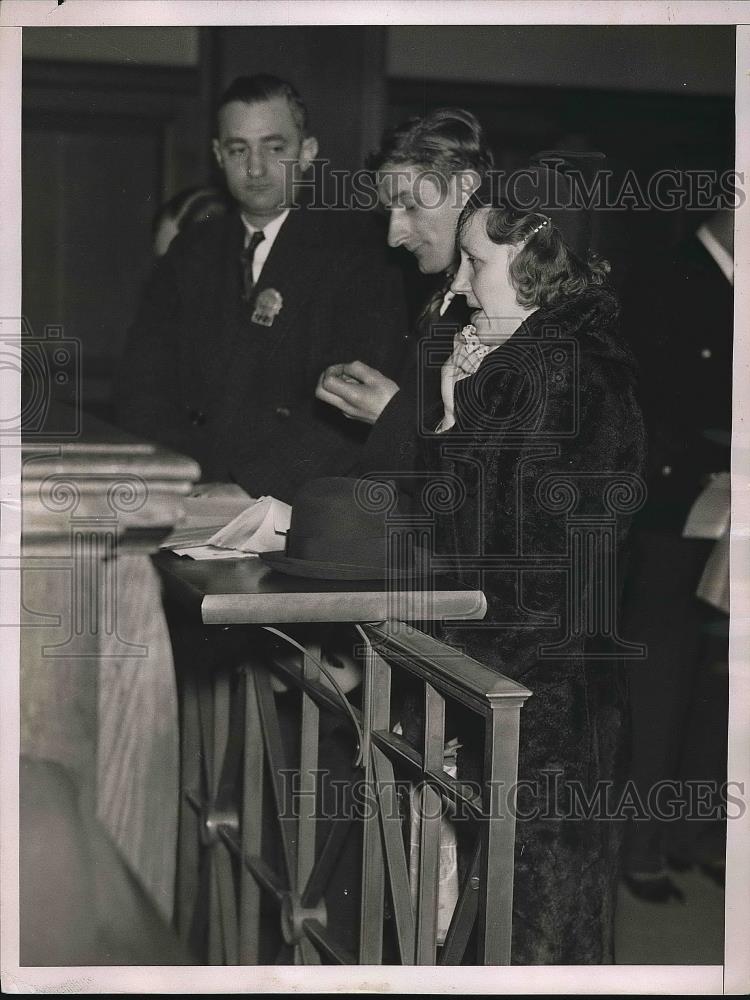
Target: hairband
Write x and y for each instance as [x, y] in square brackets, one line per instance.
[546, 222]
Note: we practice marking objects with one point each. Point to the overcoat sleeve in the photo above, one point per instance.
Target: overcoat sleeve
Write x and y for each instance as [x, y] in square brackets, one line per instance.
[147, 387]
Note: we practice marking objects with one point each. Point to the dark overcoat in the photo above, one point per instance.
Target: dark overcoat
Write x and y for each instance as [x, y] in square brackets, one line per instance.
[678, 312]
[545, 460]
[392, 447]
[199, 375]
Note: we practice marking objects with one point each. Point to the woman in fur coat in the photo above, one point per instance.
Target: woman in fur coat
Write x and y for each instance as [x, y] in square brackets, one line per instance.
[543, 440]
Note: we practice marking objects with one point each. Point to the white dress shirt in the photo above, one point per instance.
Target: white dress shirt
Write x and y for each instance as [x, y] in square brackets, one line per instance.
[270, 232]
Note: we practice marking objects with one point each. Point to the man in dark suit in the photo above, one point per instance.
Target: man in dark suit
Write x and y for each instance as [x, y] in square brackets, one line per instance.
[678, 315]
[243, 311]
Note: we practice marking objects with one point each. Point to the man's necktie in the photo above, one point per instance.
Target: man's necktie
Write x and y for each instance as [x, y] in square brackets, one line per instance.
[247, 257]
[431, 311]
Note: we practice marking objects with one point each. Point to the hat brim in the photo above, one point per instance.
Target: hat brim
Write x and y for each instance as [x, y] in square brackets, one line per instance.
[334, 571]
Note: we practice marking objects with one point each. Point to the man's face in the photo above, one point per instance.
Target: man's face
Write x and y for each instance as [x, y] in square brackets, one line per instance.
[424, 210]
[253, 141]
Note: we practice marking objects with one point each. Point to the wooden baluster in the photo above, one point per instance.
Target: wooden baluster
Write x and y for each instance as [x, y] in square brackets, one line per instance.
[218, 740]
[279, 773]
[464, 915]
[251, 826]
[498, 833]
[395, 856]
[308, 765]
[430, 806]
[190, 789]
[377, 699]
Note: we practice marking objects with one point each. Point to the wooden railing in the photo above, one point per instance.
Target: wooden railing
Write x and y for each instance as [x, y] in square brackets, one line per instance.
[237, 762]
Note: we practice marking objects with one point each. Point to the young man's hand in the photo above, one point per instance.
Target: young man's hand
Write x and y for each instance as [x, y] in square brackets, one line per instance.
[360, 392]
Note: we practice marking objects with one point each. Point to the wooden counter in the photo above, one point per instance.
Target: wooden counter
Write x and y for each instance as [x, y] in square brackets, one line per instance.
[97, 681]
[247, 592]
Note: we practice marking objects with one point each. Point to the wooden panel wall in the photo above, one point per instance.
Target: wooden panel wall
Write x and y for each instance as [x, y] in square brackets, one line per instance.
[339, 71]
[102, 147]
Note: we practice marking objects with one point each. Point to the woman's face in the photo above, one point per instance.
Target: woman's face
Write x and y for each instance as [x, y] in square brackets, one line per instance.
[483, 278]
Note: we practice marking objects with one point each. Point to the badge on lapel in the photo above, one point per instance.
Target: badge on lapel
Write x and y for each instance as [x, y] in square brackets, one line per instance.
[267, 307]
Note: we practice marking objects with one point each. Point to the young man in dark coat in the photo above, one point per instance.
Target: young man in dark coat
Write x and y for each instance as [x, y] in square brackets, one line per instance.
[244, 311]
[427, 169]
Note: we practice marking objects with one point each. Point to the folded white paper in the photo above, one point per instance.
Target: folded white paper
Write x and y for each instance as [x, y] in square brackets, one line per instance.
[215, 503]
[222, 521]
[709, 515]
[211, 552]
[260, 528]
[208, 508]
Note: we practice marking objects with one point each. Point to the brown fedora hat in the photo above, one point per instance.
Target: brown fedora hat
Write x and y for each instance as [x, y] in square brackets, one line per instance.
[339, 530]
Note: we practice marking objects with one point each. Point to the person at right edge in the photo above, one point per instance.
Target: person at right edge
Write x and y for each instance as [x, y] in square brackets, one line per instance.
[678, 314]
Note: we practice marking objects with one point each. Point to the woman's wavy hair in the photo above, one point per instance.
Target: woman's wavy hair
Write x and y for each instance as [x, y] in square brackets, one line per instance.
[544, 269]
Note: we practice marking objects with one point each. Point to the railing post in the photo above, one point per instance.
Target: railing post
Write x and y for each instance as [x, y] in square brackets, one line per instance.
[251, 827]
[498, 833]
[308, 770]
[377, 698]
[430, 806]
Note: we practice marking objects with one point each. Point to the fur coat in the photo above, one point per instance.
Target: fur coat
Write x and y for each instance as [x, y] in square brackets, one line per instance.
[544, 464]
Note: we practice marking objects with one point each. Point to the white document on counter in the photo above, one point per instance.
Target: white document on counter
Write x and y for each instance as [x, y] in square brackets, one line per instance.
[260, 528]
[207, 510]
[223, 522]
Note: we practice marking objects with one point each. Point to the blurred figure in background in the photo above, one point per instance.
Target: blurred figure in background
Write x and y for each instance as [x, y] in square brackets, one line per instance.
[678, 314]
[185, 209]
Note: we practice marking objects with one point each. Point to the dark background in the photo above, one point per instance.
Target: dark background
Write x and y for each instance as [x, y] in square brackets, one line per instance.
[118, 119]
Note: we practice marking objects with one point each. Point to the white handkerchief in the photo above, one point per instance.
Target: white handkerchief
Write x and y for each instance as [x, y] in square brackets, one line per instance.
[709, 515]
[260, 528]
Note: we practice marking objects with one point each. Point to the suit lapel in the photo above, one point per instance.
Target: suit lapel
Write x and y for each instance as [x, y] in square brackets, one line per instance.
[219, 318]
[243, 348]
[211, 285]
[291, 270]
